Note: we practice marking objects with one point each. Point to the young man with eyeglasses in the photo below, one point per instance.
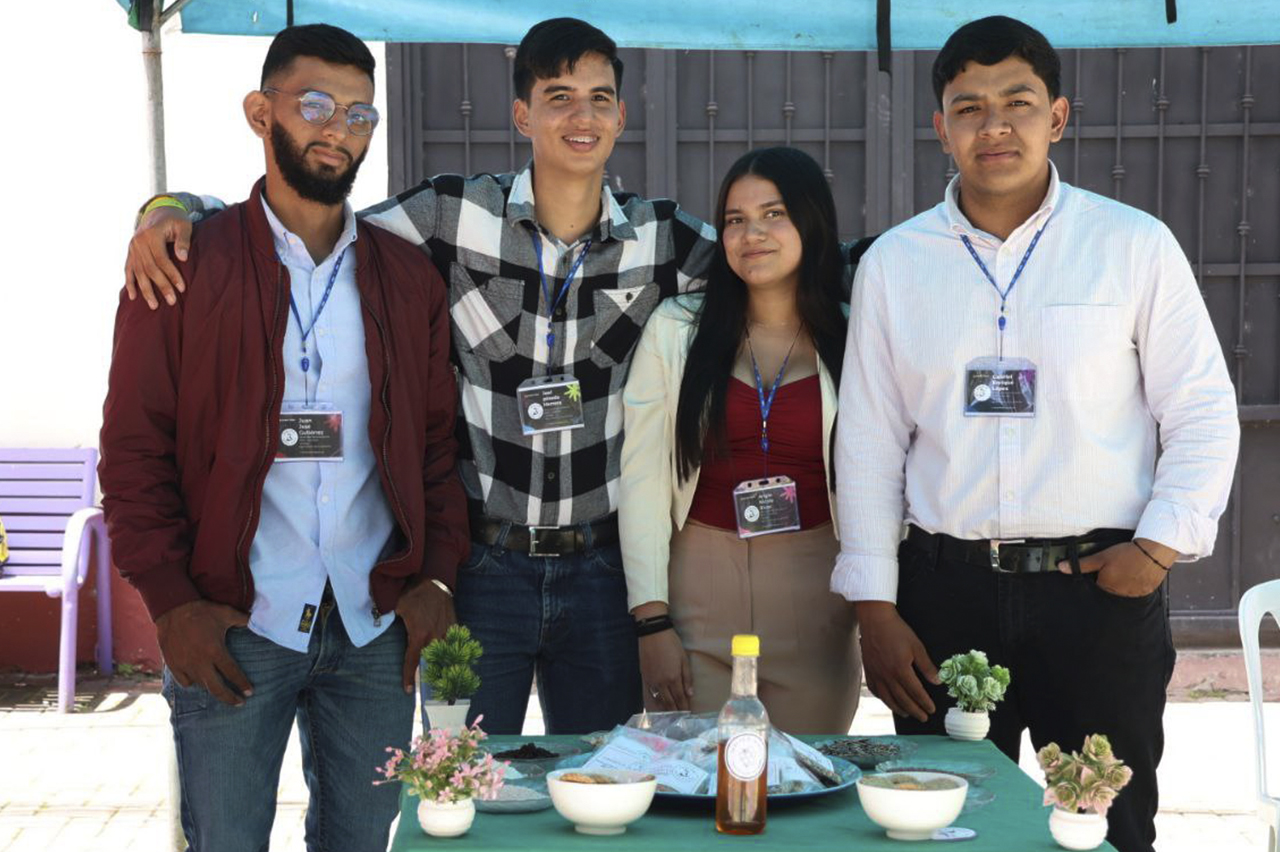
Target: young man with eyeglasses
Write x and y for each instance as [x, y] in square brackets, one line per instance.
[551, 277]
[279, 472]
[1033, 385]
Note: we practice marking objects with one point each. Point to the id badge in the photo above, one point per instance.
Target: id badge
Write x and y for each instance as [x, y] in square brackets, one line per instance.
[764, 506]
[1000, 387]
[309, 434]
[550, 404]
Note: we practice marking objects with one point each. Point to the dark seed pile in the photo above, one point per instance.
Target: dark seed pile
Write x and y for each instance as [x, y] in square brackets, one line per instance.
[860, 750]
[528, 751]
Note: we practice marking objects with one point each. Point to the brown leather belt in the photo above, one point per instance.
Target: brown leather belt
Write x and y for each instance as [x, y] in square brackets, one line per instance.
[545, 541]
[1016, 556]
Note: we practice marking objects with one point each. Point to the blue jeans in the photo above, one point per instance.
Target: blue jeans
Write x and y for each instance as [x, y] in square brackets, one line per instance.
[350, 705]
[563, 619]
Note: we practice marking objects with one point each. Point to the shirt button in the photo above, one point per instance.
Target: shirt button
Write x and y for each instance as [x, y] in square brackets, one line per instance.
[551, 475]
[1008, 495]
[560, 313]
[1008, 431]
[324, 498]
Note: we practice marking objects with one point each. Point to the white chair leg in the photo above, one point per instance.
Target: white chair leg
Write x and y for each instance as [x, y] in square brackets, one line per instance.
[67, 653]
[176, 836]
[105, 639]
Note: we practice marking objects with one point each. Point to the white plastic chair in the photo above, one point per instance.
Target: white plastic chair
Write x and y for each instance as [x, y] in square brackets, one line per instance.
[1263, 599]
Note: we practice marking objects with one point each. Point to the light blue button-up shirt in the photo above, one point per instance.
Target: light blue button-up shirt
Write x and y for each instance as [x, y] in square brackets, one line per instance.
[321, 520]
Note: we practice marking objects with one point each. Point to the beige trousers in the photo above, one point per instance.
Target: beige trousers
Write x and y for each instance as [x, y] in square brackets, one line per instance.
[775, 586]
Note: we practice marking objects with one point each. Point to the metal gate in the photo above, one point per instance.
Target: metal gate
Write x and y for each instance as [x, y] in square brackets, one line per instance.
[1191, 135]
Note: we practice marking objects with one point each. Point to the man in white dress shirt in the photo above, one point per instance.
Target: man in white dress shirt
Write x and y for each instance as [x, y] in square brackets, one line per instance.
[1017, 356]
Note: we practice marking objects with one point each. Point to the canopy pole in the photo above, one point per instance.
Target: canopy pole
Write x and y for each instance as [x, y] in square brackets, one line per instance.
[151, 60]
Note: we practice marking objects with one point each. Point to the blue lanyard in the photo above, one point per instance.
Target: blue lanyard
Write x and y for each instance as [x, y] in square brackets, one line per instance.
[546, 291]
[1004, 294]
[766, 405]
[306, 332]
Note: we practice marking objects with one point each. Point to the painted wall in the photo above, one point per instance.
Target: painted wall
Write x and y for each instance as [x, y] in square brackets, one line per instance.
[75, 171]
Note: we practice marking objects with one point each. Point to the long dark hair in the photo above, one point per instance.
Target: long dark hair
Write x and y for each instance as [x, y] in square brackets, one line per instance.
[722, 319]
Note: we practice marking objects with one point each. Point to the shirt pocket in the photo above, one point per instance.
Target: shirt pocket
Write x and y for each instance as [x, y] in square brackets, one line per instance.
[620, 316]
[1088, 353]
[481, 315]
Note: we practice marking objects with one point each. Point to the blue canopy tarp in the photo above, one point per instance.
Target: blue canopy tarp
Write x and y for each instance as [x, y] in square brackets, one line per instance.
[754, 24]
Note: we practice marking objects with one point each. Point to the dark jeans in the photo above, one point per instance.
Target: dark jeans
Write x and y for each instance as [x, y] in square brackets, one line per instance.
[563, 619]
[1082, 661]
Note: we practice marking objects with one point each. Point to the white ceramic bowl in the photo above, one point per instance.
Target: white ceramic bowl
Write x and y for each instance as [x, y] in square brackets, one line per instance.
[912, 814]
[602, 808]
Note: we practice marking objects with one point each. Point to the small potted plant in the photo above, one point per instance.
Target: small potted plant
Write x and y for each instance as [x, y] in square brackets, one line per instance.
[976, 686]
[1081, 786]
[446, 770]
[448, 669]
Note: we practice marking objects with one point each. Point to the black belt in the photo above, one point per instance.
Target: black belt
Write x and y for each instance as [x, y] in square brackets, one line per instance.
[1016, 556]
[545, 541]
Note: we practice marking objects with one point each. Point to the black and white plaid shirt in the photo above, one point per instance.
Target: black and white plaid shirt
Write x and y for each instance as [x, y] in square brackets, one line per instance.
[480, 231]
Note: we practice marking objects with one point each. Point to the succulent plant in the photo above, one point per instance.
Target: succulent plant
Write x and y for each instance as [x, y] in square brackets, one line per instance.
[973, 682]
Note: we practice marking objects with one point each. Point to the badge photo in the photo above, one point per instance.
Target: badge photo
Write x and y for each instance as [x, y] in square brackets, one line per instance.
[550, 404]
[309, 433]
[1000, 387]
[766, 505]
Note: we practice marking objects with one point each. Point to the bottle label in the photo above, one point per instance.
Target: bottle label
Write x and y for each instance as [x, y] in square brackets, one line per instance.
[745, 756]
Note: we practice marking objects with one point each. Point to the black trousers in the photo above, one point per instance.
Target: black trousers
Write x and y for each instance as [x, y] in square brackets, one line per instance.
[1082, 661]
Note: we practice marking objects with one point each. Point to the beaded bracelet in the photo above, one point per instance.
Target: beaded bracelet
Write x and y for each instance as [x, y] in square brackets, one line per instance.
[1147, 554]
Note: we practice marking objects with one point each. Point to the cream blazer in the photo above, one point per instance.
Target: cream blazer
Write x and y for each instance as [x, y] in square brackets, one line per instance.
[652, 502]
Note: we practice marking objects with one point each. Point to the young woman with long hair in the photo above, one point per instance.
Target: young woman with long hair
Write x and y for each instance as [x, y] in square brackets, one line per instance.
[726, 505]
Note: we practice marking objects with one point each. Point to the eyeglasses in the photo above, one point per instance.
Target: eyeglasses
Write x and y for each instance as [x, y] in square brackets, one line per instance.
[318, 108]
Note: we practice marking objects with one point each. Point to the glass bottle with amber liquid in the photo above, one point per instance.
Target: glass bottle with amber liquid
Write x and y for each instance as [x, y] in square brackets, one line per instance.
[742, 773]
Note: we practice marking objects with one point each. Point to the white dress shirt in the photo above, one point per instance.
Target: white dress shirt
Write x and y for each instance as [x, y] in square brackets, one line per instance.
[1108, 311]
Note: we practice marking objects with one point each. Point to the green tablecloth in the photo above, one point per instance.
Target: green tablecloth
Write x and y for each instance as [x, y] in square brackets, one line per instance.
[1014, 822]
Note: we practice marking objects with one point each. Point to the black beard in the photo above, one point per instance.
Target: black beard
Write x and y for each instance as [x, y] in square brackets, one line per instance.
[326, 187]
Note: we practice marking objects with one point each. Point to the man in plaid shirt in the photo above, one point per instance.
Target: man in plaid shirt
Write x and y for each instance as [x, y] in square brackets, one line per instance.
[561, 290]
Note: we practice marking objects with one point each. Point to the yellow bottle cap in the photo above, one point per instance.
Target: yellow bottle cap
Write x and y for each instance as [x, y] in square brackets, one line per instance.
[746, 645]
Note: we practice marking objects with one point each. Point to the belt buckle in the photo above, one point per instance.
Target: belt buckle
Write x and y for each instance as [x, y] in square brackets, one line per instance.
[535, 543]
[993, 550]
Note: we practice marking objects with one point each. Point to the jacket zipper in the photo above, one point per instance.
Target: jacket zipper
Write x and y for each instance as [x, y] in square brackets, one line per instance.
[266, 441]
[386, 436]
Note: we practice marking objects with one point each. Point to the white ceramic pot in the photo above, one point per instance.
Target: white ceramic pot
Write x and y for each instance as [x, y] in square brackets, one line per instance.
[602, 808]
[1077, 831]
[962, 725]
[907, 814]
[451, 717]
[450, 819]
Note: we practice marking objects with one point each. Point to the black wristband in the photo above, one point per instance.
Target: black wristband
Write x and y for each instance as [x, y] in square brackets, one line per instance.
[654, 624]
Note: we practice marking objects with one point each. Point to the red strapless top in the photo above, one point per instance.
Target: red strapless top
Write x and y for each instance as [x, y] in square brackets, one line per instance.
[795, 449]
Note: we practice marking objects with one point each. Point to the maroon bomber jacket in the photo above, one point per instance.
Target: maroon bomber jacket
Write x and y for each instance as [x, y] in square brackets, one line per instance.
[193, 406]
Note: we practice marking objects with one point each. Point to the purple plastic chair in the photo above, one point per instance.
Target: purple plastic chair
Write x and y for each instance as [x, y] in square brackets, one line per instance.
[47, 505]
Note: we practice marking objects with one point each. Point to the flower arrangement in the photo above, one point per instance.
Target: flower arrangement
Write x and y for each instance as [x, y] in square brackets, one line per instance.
[972, 682]
[1086, 781]
[446, 767]
[449, 663]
